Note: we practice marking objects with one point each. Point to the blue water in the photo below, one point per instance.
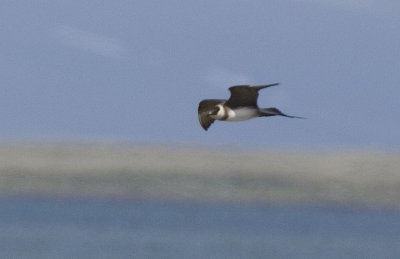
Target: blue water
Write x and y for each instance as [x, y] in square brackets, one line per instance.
[112, 228]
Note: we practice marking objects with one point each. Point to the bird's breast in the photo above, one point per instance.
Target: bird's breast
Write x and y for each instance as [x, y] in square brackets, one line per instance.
[241, 114]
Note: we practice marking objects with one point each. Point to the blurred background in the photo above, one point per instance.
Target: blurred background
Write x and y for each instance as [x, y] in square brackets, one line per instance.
[102, 155]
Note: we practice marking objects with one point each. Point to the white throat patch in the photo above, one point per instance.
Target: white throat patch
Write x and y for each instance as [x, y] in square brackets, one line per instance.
[221, 114]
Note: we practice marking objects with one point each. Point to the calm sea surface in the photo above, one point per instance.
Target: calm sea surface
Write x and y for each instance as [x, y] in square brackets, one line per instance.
[105, 228]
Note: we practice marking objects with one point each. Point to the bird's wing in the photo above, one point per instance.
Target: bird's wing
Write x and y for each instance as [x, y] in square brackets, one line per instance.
[205, 107]
[245, 95]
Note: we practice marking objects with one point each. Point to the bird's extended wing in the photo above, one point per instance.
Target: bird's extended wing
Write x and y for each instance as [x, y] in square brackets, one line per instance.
[205, 107]
[245, 95]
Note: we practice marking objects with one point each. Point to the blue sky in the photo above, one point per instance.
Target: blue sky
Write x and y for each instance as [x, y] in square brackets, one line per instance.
[135, 71]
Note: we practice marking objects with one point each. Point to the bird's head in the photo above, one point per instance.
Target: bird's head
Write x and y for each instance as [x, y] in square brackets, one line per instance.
[218, 112]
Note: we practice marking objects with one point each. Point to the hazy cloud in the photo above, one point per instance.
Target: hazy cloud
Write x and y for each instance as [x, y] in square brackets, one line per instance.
[223, 78]
[89, 41]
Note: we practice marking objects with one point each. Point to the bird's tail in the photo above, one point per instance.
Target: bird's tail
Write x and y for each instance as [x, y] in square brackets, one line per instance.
[265, 112]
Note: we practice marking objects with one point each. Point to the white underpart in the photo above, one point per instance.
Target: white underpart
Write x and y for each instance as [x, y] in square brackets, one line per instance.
[241, 114]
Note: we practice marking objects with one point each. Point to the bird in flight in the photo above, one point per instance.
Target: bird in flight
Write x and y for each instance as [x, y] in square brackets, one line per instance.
[241, 105]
